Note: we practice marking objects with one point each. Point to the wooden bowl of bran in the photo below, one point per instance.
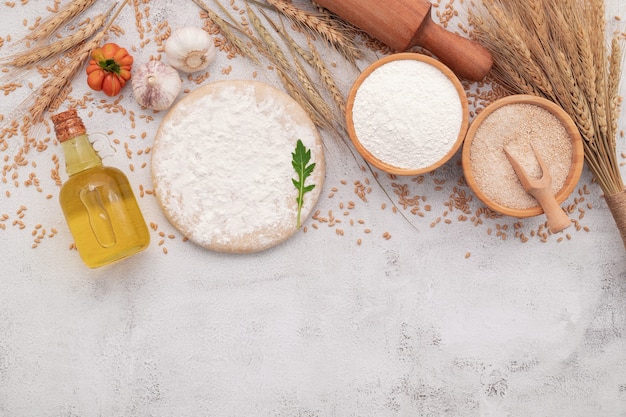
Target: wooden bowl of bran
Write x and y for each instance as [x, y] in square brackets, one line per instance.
[516, 122]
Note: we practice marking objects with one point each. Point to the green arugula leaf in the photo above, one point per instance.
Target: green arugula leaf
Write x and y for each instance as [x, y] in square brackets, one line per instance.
[301, 157]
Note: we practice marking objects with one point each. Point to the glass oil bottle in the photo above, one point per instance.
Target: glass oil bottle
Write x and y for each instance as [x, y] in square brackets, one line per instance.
[97, 201]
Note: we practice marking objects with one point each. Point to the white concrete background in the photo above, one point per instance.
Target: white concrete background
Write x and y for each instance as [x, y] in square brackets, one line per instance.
[319, 326]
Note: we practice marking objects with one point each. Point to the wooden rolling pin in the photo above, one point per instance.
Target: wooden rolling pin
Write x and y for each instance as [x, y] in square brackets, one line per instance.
[401, 24]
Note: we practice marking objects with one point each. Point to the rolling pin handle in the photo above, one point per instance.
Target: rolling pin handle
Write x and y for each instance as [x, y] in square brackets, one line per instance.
[466, 58]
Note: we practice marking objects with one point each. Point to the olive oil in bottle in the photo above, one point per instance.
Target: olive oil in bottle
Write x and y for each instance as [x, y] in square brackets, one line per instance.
[97, 201]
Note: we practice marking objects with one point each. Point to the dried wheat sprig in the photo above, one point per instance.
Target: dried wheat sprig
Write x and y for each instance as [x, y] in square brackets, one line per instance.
[327, 79]
[509, 37]
[308, 88]
[537, 17]
[51, 88]
[64, 15]
[340, 23]
[312, 92]
[615, 66]
[320, 25]
[574, 100]
[575, 64]
[306, 56]
[296, 93]
[313, 58]
[226, 31]
[585, 50]
[274, 52]
[615, 58]
[62, 45]
[597, 24]
[596, 21]
[46, 94]
[507, 77]
[282, 32]
[303, 90]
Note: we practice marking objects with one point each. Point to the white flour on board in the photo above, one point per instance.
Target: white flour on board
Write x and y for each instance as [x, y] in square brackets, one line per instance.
[223, 166]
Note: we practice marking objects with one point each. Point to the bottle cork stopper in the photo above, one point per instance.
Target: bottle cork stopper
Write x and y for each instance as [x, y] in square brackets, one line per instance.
[68, 125]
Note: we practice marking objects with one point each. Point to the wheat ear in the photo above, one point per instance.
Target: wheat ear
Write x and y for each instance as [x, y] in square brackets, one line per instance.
[67, 13]
[327, 78]
[296, 93]
[315, 61]
[47, 93]
[320, 25]
[46, 51]
[273, 52]
[226, 30]
[583, 76]
[615, 65]
[53, 87]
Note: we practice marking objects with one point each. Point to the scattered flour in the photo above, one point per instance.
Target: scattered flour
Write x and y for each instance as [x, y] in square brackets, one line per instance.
[222, 166]
[407, 114]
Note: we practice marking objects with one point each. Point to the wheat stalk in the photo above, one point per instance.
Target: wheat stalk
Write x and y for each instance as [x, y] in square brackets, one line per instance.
[273, 52]
[296, 93]
[512, 41]
[226, 30]
[313, 58]
[293, 76]
[615, 61]
[321, 25]
[311, 92]
[67, 13]
[49, 91]
[571, 50]
[327, 78]
[51, 88]
[46, 51]
[303, 53]
[538, 18]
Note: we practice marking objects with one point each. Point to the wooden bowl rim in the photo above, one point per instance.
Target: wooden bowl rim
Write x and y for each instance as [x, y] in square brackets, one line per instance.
[367, 155]
[568, 123]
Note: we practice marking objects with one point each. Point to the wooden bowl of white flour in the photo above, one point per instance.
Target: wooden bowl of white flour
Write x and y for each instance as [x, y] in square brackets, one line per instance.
[407, 114]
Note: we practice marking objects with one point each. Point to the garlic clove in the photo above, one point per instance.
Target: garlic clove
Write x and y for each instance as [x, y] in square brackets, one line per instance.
[190, 49]
[156, 85]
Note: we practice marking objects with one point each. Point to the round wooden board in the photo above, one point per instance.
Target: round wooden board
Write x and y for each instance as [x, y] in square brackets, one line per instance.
[221, 166]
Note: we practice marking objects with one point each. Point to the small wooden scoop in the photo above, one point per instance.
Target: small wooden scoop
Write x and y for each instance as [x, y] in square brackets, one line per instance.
[401, 24]
[541, 189]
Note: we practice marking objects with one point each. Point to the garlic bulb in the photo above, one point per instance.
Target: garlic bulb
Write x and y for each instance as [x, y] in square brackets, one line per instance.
[156, 85]
[190, 49]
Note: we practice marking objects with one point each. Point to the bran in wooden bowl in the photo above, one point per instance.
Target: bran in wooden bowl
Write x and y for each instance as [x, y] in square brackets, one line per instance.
[515, 122]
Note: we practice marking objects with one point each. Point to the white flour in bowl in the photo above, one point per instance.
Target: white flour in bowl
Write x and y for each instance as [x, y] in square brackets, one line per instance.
[408, 114]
